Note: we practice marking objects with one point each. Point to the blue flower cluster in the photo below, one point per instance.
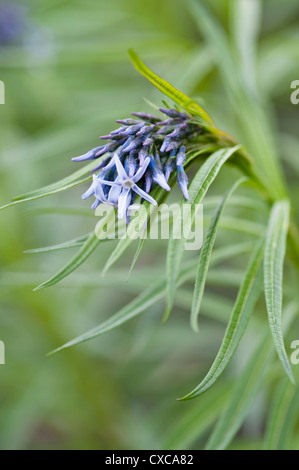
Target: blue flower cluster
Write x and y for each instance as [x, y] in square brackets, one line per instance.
[144, 151]
[13, 22]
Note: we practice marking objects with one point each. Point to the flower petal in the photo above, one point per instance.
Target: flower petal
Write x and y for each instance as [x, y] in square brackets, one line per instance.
[141, 170]
[114, 194]
[123, 202]
[98, 190]
[91, 155]
[183, 181]
[144, 195]
[158, 176]
[89, 192]
[120, 169]
[109, 183]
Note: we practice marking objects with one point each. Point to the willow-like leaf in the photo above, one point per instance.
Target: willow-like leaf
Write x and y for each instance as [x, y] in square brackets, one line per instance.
[197, 190]
[283, 416]
[169, 90]
[145, 300]
[136, 256]
[79, 241]
[74, 177]
[197, 420]
[205, 256]
[241, 397]
[88, 247]
[258, 137]
[242, 202]
[141, 303]
[46, 191]
[246, 389]
[249, 292]
[69, 182]
[152, 295]
[242, 225]
[273, 275]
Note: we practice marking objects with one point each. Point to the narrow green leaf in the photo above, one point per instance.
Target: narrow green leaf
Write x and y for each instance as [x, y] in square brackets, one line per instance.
[175, 252]
[205, 256]
[134, 308]
[273, 275]
[197, 420]
[137, 254]
[242, 226]
[242, 397]
[282, 418]
[153, 295]
[245, 26]
[89, 246]
[43, 193]
[248, 295]
[257, 133]
[197, 190]
[141, 303]
[79, 241]
[60, 184]
[246, 389]
[61, 210]
[66, 183]
[226, 252]
[165, 87]
[244, 202]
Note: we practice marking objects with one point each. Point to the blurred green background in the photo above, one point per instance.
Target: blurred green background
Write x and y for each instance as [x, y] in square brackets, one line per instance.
[68, 77]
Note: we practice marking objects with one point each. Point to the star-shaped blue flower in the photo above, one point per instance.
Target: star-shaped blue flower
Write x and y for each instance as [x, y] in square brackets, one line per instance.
[124, 184]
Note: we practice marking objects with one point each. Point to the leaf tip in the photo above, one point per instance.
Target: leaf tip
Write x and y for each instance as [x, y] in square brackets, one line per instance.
[40, 287]
[194, 325]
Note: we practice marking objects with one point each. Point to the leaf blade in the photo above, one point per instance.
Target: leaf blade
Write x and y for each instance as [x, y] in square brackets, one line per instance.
[79, 241]
[248, 294]
[246, 389]
[198, 189]
[283, 415]
[205, 255]
[165, 87]
[88, 247]
[273, 276]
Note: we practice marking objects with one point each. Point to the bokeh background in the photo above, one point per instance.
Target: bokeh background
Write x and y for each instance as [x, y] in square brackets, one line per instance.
[68, 77]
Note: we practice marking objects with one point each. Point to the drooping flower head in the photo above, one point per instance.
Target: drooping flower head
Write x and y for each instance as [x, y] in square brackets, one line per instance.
[140, 154]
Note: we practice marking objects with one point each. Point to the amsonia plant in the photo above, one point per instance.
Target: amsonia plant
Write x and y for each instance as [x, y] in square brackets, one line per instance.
[145, 158]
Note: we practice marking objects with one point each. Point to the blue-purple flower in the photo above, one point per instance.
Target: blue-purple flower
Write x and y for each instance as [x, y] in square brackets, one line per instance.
[13, 22]
[126, 184]
[146, 151]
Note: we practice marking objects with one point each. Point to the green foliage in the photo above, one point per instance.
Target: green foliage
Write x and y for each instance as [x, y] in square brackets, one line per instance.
[235, 59]
[273, 275]
[170, 91]
[248, 295]
[205, 256]
[197, 191]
